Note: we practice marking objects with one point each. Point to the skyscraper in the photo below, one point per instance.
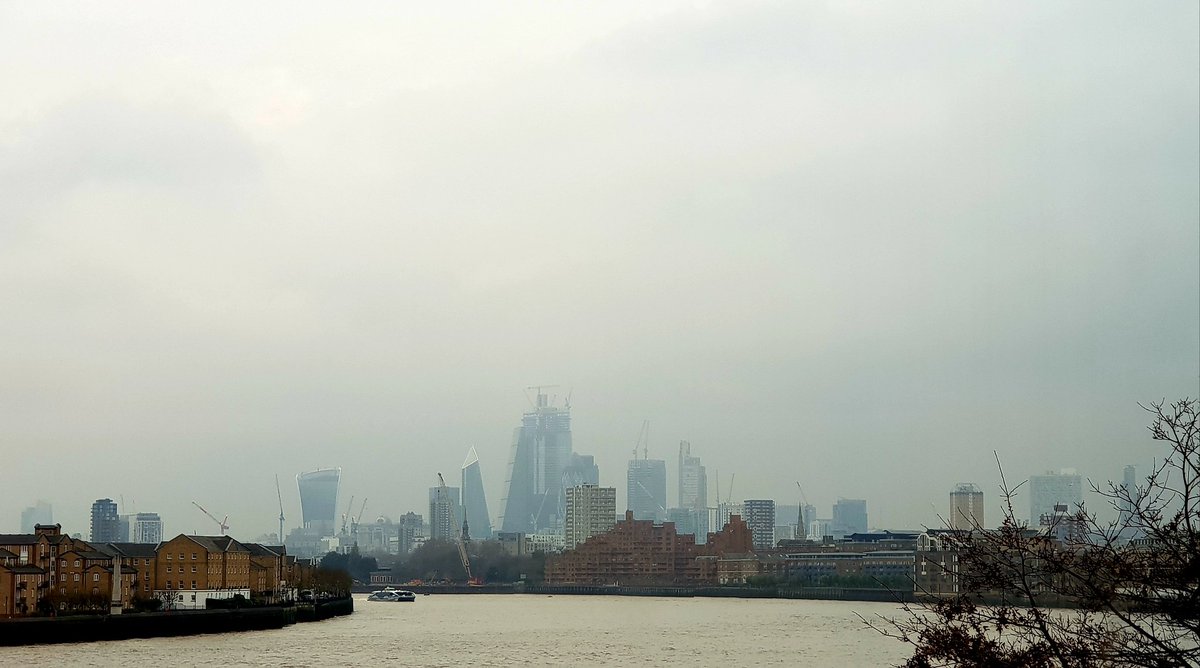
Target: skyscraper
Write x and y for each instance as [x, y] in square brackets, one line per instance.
[479, 523]
[693, 480]
[318, 500]
[760, 518]
[39, 513]
[444, 513]
[693, 493]
[591, 510]
[849, 516]
[541, 451]
[1052, 489]
[966, 507]
[147, 528]
[646, 489]
[106, 524]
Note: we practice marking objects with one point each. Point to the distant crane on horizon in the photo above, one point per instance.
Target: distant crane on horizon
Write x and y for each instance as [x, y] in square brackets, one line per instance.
[220, 523]
[279, 495]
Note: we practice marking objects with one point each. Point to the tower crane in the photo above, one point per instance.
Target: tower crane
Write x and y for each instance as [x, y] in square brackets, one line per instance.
[354, 522]
[462, 548]
[346, 515]
[279, 495]
[221, 523]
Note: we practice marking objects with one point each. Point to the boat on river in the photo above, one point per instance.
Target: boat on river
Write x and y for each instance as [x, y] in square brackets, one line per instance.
[389, 595]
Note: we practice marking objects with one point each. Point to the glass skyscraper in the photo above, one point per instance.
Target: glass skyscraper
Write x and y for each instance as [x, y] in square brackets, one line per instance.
[479, 523]
[318, 500]
[646, 489]
[541, 453]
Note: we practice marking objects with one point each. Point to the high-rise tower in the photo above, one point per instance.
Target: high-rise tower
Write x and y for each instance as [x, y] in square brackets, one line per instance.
[318, 499]
[541, 451]
[1054, 489]
[966, 507]
[646, 489]
[106, 524]
[474, 502]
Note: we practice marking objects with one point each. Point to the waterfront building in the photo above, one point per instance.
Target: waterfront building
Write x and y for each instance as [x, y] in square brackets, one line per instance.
[966, 507]
[641, 552]
[591, 510]
[106, 523]
[646, 489]
[444, 513]
[475, 507]
[760, 517]
[318, 500]
[541, 450]
[39, 513]
[1053, 489]
[849, 516]
[549, 543]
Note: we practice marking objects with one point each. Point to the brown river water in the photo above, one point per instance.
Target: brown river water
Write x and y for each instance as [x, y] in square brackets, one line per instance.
[512, 630]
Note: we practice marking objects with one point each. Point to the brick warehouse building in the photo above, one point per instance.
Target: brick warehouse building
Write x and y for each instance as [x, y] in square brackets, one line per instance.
[642, 552]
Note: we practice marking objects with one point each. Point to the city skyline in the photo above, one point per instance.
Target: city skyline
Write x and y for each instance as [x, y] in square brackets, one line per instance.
[832, 244]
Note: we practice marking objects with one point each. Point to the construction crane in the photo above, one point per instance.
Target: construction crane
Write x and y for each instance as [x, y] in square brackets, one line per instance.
[346, 515]
[462, 548]
[643, 441]
[279, 495]
[221, 523]
[801, 532]
[354, 523]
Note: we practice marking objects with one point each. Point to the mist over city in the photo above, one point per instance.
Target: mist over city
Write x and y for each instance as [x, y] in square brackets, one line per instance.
[837, 251]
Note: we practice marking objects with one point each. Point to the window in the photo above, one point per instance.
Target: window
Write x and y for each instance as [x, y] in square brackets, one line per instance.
[168, 568]
[63, 563]
[193, 584]
[193, 568]
[77, 577]
[168, 584]
[95, 577]
[193, 556]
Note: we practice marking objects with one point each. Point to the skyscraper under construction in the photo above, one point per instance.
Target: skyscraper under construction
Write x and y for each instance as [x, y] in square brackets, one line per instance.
[541, 453]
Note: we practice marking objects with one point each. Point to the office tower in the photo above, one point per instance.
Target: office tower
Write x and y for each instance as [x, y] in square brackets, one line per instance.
[760, 518]
[444, 513]
[591, 510]
[408, 532]
[39, 513]
[810, 514]
[693, 480]
[581, 471]
[124, 528]
[478, 521]
[147, 528]
[966, 507]
[106, 525]
[318, 500]
[1053, 489]
[849, 516]
[541, 450]
[646, 489]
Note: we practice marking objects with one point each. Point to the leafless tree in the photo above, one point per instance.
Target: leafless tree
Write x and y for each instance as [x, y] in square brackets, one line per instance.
[1082, 592]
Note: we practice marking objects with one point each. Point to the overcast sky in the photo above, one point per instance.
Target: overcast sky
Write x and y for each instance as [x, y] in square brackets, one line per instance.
[860, 245]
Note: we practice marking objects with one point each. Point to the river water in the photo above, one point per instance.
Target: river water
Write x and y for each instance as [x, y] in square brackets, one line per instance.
[510, 630]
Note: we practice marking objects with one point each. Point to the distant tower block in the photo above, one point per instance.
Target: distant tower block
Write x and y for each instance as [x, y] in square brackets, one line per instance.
[966, 507]
[474, 501]
[318, 499]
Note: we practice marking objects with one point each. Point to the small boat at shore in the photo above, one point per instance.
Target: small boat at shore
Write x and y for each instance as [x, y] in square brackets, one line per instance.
[390, 595]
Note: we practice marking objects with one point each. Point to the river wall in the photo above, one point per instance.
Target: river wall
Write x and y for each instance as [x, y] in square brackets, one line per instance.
[89, 628]
[809, 593]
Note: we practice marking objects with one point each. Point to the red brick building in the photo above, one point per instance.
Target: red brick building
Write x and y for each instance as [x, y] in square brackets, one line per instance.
[642, 552]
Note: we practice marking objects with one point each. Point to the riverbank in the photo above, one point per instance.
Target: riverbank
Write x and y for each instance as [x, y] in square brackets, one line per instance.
[89, 628]
[806, 593]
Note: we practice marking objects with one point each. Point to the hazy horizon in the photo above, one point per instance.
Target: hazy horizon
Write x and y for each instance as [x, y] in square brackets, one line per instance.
[853, 245]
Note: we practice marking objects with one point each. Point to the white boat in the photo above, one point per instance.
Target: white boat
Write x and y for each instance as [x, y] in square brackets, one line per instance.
[390, 595]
